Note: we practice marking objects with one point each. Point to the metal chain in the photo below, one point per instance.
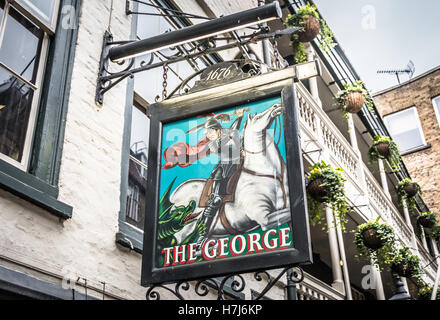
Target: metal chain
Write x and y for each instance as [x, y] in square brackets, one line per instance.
[277, 55]
[165, 83]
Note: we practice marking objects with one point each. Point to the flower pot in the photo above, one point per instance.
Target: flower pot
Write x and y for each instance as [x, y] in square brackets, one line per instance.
[354, 101]
[311, 30]
[425, 222]
[383, 149]
[410, 190]
[316, 190]
[402, 270]
[372, 240]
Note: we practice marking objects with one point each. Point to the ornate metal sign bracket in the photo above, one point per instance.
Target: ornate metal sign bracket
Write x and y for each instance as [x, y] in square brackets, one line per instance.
[237, 283]
[107, 80]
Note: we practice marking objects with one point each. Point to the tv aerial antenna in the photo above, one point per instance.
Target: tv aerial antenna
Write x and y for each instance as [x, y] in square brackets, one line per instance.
[410, 69]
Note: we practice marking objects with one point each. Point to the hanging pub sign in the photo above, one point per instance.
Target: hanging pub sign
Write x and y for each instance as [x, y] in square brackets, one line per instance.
[226, 185]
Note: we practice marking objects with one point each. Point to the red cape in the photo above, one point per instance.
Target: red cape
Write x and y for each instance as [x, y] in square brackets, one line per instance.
[184, 155]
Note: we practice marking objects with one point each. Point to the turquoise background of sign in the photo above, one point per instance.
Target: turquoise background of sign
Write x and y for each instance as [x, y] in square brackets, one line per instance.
[175, 132]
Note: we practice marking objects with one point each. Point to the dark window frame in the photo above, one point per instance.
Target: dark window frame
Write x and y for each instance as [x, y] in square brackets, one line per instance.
[39, 184]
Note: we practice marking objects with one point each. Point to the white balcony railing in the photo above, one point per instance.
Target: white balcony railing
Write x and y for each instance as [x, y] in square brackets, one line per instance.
[314, 289]
[318, 132]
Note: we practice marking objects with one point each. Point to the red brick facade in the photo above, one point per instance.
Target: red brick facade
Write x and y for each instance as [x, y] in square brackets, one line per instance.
[424, 165]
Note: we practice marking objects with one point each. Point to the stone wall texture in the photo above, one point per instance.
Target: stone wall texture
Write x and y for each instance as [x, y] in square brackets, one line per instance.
[423, 165]
[35, 242]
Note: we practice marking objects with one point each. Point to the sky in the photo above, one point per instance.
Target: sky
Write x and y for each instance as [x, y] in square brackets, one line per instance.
[385, 34]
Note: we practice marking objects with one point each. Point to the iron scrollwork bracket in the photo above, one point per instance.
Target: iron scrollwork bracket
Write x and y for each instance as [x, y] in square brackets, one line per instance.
[105, 81]
[237, 284]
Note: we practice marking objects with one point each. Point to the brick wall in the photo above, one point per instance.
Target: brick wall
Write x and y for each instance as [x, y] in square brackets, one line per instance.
[423, 165]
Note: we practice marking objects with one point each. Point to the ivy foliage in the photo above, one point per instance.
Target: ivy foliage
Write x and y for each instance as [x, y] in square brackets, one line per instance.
[333, 182]
[429, 216]
[358, 86]
[404, 197]
[425, 293]
[382, 256]
[299, 19]
[434, 233]
[394, 159]
[404, 257]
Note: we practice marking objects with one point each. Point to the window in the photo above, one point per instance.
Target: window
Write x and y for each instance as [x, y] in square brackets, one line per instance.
[42, 10]
[436, 103]
[23, 47]
[405, 129]
[149, 84]
[137, 173]
[36, 56]
[146, 87]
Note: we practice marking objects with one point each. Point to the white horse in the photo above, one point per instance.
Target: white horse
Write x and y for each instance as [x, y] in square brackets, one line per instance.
[262, 194]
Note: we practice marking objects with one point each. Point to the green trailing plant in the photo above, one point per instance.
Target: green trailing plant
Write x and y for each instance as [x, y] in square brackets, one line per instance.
[334, 196]
[408, 198]
[299, 19]
[341, 97]
[425, 293]
[299, 51]
[434, 233]
[382, 255]
[409, 263]
[394, 158]
[427, 219]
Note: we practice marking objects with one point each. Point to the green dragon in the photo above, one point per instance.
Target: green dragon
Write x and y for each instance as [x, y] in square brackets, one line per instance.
[174, 220]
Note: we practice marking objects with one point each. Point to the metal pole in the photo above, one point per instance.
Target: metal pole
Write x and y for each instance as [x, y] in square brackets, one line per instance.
[344, 263]
[266, 52]
[291, 286]
[196, 32]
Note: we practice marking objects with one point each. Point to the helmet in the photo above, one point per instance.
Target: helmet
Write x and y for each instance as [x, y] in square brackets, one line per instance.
[212, 124]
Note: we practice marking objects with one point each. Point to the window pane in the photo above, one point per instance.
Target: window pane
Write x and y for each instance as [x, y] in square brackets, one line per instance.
[43, 9]
[408, 140]
[436, 102]
[21, 45]
[137, 178]
[149, 84]
[15, 107]
[402, 122]
[405, 129]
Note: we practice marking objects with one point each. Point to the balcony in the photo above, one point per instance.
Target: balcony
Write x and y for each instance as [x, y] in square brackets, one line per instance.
[323, 140]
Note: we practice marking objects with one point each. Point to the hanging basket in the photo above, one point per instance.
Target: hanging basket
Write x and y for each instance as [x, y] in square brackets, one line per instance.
[372, 239]
[425, 222]
[383, 149]
[402, 270]
[316, 190]
[410, 190]
[311, 29]
[354, 101]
